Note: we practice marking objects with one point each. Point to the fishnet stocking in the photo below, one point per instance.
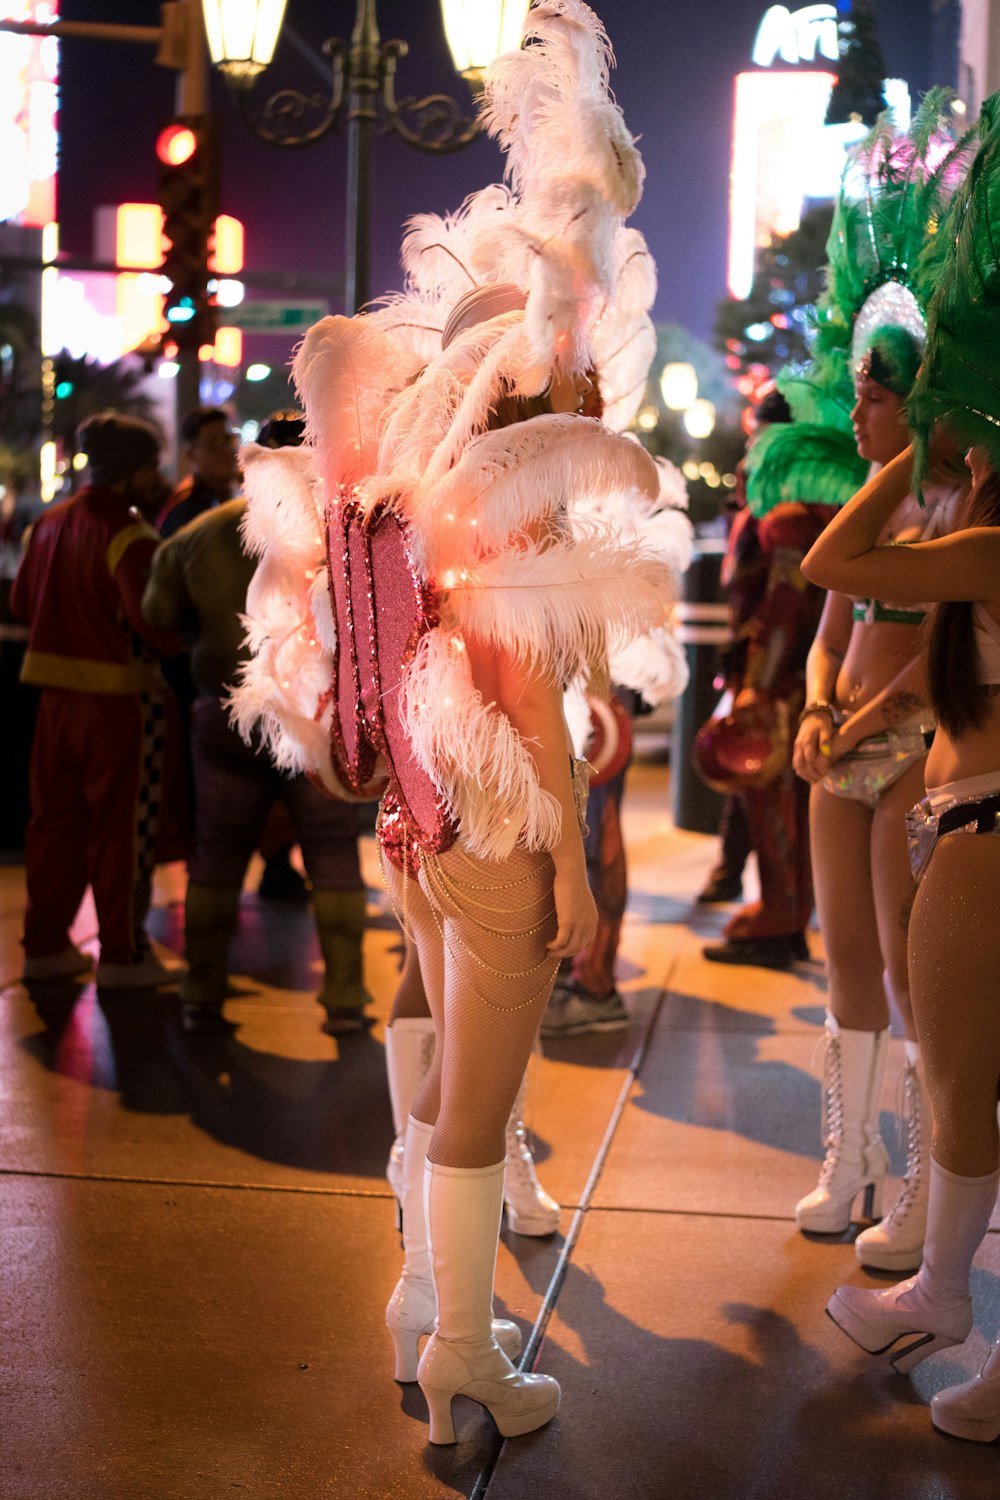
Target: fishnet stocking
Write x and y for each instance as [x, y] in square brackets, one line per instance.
[480, 929]
[954, 978]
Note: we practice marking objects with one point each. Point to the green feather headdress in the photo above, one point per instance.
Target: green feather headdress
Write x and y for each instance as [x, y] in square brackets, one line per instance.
[885, 255]
[959, 382]
[885, 258]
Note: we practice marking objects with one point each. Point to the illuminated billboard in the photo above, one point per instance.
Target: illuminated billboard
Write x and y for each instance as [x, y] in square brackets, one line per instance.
[785, 156]
[29, 105]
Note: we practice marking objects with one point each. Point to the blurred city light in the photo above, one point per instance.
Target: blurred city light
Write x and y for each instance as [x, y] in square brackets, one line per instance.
[176, 144]
[258, 372]
[679, 385]
[699, 419]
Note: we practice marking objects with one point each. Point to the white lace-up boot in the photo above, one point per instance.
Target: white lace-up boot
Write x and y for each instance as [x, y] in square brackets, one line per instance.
[856, 1157]
[409, 1052]
[530, 1209]
[897, 1244]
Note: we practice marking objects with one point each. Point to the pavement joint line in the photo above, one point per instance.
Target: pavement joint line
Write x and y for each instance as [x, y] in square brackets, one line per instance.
[558, 1276]
[193, 1182]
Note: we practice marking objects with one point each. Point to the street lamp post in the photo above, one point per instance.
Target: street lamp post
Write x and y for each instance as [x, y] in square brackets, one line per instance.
[362, 92]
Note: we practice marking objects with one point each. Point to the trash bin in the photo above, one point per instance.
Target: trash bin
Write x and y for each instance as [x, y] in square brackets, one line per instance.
[702, 624]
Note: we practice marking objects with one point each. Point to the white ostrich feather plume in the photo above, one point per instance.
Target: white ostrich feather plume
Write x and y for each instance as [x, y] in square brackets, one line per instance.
[561, 607]
[654, 665]
[510, 479]
[289, 623]
[345, 371]
[474, 754]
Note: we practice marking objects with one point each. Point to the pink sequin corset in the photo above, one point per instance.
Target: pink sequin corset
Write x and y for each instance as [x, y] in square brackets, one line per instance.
[382, 608]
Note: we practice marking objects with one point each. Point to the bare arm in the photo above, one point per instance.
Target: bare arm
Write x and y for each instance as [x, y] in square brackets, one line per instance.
[811, 754]
[533, 704]
[964, 565]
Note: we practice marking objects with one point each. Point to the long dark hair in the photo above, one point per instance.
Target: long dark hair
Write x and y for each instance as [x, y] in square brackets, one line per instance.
[952, 667]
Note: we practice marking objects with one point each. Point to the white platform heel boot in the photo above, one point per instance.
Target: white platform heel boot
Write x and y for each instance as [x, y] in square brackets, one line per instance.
[856, 1158]
[463, 1206]
[409, 1052]
[530, 1209]
[972, 1410]
[897, 1244]
[411, 1312]
[933, 1310]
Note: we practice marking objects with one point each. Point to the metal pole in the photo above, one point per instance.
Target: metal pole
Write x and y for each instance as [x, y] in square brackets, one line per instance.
[363, 84]
[191, 98]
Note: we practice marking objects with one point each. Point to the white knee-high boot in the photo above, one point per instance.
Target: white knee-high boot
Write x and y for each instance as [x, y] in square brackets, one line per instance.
[897, 1244]
[411, 1310]
[463, 1207]
[856, 1157]
[933, 1310]
[409, 1051]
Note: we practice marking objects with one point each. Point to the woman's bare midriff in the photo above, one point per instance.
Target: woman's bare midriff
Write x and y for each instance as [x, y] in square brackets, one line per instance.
[876, 654]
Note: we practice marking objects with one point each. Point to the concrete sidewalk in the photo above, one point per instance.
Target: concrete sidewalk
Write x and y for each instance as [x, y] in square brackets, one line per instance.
[197, 1240]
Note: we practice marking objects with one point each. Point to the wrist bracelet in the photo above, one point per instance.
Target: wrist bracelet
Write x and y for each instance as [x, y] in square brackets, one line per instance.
[819, 706]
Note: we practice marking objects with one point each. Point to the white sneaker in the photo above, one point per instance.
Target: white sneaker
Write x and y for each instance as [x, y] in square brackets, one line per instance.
[571, 1013]
[64, 965]
[145, 974]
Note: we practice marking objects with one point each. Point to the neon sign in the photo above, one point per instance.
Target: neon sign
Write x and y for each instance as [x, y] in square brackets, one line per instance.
[796, 36]
[29, 99]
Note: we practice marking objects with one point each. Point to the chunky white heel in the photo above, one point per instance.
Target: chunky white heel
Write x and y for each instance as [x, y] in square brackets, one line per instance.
[411, 1313]
[856, 1159]
[933, 1310]
[878, 1321]
[897, 1243]
[530, 1209]
[517, 1403]
[971, 1410]
[463, 1207]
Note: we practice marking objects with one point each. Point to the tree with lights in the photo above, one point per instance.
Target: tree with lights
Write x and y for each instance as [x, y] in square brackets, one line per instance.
[857, 94]
[769, 329]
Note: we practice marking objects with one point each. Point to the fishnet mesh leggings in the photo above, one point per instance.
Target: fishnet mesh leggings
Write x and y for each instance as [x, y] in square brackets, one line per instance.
[955, 988]
[480, 928]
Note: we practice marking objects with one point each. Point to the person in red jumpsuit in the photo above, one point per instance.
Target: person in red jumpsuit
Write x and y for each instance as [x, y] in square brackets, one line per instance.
[775, 614]
[99, 754]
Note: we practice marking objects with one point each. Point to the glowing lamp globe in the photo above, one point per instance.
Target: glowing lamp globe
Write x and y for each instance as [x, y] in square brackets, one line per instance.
[242, 35]
[479, 31]
[699, 419]
[679, 385]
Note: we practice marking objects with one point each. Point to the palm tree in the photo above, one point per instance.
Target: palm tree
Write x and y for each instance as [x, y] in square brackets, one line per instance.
[84, 387]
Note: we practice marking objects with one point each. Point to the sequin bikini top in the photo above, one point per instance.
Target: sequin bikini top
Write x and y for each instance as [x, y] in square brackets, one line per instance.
[882, 611]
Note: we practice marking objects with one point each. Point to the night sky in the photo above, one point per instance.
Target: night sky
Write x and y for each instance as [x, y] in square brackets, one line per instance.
[676, 62]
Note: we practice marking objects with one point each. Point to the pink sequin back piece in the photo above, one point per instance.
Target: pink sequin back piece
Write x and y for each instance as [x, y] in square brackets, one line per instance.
[381, 609]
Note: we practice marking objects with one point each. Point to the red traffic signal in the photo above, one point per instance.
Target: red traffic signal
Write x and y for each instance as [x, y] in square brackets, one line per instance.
[176, 144]
[187, 149]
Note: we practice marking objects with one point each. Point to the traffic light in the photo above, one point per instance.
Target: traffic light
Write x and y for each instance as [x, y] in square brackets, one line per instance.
[188, 152]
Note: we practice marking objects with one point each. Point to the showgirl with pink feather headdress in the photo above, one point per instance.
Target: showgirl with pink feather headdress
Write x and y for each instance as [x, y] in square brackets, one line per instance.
[455, 546]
